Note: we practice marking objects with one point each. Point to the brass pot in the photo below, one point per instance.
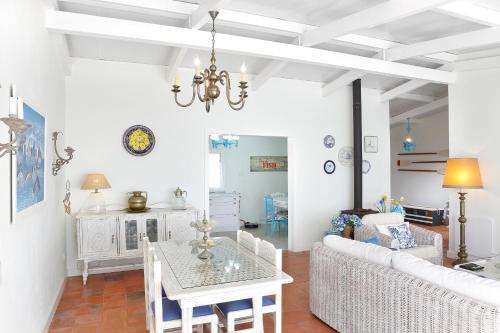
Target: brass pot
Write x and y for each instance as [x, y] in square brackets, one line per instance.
[137, 201]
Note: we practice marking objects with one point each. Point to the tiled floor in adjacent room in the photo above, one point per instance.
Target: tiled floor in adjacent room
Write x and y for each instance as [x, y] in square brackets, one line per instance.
[114, 302]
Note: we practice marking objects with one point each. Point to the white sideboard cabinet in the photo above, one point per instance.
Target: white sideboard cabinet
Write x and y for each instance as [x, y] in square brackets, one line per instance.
[113, 241]
[225, 211]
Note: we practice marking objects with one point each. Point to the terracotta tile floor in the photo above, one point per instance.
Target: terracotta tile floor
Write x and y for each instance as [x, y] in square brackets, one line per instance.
[114, 302]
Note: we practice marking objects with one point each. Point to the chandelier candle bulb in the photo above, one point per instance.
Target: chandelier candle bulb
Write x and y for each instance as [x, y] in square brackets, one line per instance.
[176, 81]
[197, 64]
[20, 108]
[243, 71]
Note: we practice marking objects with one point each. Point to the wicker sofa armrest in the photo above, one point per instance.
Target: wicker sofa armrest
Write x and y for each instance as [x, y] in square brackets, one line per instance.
[365, 232]
[426, 237]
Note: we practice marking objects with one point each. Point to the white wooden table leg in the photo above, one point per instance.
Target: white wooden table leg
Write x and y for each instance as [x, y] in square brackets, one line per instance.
[85, 271]
[258, 322]
[187, 319]
[278, 314]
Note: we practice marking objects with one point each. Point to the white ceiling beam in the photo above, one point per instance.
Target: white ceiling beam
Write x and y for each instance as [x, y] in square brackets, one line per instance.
[341, 81]
[466, 40]
[479, 54]
[402, 89]
[421, 110]
[385, 12]
[175, 62]
[244, 20]
[466, 10]
[61, 43]
[156, 7]
[418, 97]
[477, 64]
[103, 27]
[200, 16]
[271, 69]
[195, 21]
[407, 87]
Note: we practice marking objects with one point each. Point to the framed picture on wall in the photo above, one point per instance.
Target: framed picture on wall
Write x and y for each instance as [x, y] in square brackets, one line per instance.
[371, 144]
[268, 163]
[28, 164]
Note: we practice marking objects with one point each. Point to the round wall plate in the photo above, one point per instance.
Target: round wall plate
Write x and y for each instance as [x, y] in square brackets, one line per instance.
[346, 156]
[329, 167]
[366, 166]
[138, 140]
[329, 141]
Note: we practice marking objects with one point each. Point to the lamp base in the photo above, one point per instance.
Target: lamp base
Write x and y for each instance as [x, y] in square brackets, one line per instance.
[459, 261]
[94, 204]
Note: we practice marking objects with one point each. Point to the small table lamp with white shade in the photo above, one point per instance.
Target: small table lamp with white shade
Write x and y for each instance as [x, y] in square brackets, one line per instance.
[462, 173]
[95, 202]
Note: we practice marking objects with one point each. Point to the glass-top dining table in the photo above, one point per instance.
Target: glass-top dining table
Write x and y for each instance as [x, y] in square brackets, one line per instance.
[233, 273]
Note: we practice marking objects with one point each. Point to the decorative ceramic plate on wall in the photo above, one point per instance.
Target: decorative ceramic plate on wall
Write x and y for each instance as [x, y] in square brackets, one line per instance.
[346, 156]
[366, 166]
[329, 141]
[329, 167]
[138, 140]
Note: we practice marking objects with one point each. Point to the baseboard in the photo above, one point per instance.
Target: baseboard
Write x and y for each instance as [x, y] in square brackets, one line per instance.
[54, 306]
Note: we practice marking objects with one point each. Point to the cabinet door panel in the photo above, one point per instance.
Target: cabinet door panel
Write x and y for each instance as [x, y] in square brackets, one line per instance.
[152, 228]
[130, 228]
[178, 226]
[99, 237]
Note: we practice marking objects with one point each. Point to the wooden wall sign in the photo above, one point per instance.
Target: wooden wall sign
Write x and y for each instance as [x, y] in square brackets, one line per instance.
[268, 163]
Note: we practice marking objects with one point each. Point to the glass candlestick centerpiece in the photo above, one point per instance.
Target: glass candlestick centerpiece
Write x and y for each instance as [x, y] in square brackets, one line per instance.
[205, 244]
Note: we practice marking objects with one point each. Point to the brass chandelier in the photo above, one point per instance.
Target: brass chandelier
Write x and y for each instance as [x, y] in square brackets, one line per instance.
[208, 79]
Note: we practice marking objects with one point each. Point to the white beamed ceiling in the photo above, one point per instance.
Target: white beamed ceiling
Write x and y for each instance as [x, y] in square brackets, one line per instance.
[424, 26]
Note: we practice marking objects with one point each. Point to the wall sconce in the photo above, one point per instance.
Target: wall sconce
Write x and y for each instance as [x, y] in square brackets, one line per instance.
[15, 123]
[60, 161]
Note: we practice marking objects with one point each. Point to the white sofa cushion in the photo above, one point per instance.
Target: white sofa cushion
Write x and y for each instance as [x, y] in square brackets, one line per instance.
[423, 269]
[470, 285]
[422, 251]
[370, 252]
[382, 218]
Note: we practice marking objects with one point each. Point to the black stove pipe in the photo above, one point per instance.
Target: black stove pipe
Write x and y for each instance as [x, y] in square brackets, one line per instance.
[358, 145]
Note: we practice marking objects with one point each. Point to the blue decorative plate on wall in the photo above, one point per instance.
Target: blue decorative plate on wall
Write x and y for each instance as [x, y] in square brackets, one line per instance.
[138, 140]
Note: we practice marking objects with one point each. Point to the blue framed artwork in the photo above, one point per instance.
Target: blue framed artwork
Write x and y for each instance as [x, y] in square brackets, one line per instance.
[30, 162]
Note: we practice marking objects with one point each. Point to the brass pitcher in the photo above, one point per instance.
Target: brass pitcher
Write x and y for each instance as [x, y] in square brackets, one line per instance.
[137, 201]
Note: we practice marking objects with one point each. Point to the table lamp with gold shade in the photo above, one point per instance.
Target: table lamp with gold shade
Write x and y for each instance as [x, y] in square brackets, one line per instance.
[95, 202]
[462, 173]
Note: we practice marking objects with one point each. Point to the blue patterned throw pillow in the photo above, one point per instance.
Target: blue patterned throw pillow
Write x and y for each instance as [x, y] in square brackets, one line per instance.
[404, 236]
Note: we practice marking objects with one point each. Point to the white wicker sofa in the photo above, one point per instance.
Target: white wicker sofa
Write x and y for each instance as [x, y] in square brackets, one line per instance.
[359, 287]
[429, 243]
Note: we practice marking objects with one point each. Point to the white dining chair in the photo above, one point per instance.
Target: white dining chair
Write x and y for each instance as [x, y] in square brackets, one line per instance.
[241, 311]
[163, 313]
[247, 240]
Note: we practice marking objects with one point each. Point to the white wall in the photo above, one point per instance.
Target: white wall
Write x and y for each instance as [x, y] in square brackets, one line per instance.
[425, 189]
[32, 252]
[474, 118]
[253, 186]
[104, 98]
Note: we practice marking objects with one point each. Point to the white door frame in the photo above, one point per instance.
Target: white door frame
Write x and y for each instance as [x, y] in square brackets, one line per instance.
[290, 174]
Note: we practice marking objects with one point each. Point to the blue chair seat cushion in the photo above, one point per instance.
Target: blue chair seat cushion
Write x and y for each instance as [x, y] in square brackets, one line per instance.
[242, 304]
[172, 310]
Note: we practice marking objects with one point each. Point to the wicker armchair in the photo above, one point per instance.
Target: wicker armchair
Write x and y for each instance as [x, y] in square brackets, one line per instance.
[429, 243]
